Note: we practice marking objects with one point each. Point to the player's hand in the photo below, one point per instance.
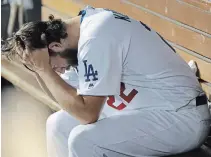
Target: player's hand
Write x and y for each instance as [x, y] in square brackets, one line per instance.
[36, 60]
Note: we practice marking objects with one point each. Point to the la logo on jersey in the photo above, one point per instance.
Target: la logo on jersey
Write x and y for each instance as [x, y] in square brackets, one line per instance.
[90, 73]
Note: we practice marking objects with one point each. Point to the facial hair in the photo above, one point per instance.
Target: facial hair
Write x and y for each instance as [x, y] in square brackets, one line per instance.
[69, 54]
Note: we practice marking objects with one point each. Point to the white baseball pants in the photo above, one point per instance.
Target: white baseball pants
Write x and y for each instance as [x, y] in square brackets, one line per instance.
[137, 134]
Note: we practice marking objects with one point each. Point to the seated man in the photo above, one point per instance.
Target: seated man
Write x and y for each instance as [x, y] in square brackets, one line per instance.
[134, 96]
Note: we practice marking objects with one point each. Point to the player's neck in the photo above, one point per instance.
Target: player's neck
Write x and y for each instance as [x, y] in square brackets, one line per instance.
[73, 31]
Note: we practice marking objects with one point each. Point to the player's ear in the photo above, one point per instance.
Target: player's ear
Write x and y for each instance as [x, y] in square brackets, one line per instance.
[55, 46]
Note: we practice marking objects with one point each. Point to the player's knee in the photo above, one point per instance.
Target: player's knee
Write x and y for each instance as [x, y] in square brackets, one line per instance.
[53, 124]
[77, 138]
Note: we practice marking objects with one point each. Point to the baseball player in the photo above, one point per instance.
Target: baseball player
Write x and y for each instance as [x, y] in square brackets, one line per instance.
[127, 93]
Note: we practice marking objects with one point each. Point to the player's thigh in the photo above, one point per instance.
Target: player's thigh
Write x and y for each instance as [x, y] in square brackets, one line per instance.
[127, 126]
[122, 133]
[58, 128]
[61, 122]
[140, 133]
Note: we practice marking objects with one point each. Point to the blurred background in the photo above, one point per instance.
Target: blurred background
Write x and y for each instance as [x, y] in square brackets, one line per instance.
[23, 118]
[13, 14]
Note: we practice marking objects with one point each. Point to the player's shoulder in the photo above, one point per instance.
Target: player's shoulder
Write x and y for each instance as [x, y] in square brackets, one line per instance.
[95, 18]
[91, 14]
[93, 44]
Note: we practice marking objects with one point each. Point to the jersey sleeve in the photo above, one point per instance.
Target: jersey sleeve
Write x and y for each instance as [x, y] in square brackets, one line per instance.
[100, 67]
[71, 78]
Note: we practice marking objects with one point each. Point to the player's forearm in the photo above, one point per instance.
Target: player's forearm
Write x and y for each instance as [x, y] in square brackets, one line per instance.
[43, 86]
[65, 95]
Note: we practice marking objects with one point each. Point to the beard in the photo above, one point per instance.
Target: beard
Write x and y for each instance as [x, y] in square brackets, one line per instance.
[69, 54]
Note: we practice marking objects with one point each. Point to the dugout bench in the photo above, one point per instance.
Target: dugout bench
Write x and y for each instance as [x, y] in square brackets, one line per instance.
[185, 24]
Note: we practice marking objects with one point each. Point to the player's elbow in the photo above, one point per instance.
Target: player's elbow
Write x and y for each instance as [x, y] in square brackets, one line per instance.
[87, 111]
[84, 115]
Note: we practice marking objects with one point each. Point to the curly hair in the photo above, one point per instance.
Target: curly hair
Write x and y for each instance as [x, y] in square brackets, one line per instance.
[34, 35]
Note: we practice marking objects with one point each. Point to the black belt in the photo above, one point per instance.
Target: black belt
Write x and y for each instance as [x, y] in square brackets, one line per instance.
[201, 100]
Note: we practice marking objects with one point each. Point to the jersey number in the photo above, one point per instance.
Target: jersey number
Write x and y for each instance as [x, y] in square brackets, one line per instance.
[128, 98]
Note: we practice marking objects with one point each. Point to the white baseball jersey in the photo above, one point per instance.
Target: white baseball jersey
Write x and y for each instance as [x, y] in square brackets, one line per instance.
[130, 63]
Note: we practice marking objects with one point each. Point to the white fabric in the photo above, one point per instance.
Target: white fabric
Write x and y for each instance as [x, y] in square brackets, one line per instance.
[70, 76]
[153, 111]
[27, 4]
[136, 134]
[103, 60]
[58, 128]
[193, 66]
[127, 51]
